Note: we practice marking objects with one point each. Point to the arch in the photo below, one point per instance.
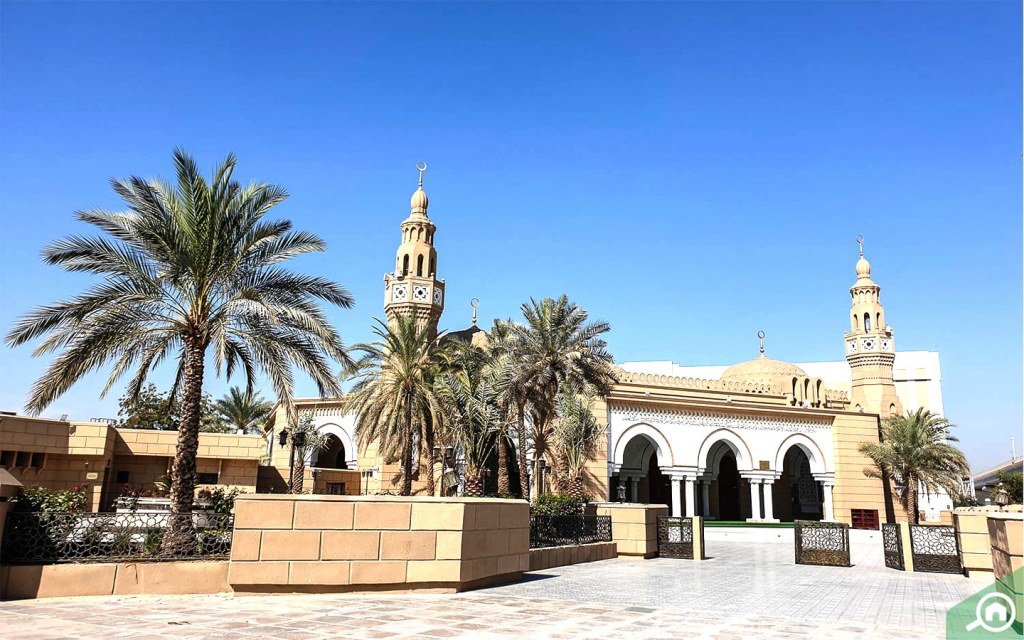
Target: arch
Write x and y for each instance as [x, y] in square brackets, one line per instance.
[878, 321]
[818, 398]
[419, 265]
[433, 266]
[405, 265]
[867, 322]
[642, 429]
[744, 461]
[808, 446]
[345, 438]
[856, 323]
[807, 390]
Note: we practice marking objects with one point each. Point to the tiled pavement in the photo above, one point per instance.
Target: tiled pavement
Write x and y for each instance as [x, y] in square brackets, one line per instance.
[745, 591]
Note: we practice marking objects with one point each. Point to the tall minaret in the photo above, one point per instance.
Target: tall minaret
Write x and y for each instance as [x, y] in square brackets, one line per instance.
[870, 348]
[413, 289]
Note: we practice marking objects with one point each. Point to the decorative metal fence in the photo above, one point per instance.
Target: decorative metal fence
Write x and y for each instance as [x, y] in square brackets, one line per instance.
[822, 543]
[934, 549]
[556, 531]
[675, 538]
[49, 538]
[892, 546]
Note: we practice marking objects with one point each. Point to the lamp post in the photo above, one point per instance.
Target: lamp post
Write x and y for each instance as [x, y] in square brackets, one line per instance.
[1002, 498]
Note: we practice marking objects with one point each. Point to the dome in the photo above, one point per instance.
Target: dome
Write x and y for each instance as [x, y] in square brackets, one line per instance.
[763, 370]
[419, 200]
[863, 268]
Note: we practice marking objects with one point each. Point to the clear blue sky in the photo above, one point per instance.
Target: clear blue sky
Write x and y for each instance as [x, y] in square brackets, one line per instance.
[689, 172]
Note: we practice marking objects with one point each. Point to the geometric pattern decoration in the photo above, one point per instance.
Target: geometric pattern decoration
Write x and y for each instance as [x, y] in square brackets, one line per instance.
[822, 543]
[719, 421]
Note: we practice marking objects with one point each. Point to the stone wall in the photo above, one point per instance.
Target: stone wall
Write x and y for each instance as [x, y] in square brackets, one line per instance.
[549, 557]
[112, 578]
[1006, 531]
[634, 527]
[312, 543]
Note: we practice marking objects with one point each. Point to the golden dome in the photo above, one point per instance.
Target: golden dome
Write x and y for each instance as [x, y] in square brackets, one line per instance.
[763, 370]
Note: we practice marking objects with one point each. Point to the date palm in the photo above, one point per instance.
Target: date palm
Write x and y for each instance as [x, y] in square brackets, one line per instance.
[576, 437]
[304, 439]
[188, 271]
[243, 410]
[394, 399]
[557, 347]
[915, 450]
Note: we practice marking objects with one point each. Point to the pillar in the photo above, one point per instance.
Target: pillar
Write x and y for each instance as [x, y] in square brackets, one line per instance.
[828, 515]
[755, 500]
[634, 489]
[705, 488]
[766, 491]
[691, 497]
[677, 508]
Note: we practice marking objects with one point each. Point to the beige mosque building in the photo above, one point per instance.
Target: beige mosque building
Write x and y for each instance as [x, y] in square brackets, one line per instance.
[761, 441]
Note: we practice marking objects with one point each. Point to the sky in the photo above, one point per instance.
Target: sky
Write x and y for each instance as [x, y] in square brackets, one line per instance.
[691, 173]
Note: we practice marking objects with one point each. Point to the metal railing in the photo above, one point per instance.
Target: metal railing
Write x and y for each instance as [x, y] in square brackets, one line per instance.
[892, 546]
[556, 531]
[935, 549]
[675, 538]
[824, 543]
[50, 538]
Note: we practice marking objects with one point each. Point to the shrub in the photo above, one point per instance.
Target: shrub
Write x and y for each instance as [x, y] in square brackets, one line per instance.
[559, 504]
[221, 501]
[41, 499]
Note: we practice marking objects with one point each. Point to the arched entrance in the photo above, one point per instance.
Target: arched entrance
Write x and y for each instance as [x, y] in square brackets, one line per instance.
[729, 494]
[640, 472]
[332, 456]
[797, 493]
[726, 493]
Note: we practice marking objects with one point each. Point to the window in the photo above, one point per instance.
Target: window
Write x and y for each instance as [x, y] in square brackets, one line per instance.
[405, 265]
[864, 518]
[335, 488]
[206, 478]
[38, 460]
[419, 265]
[122, 477]
[867, 322]
[6, 458]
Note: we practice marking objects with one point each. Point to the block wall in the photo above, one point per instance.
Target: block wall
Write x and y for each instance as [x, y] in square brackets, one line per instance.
[634, 527]
[854, 489]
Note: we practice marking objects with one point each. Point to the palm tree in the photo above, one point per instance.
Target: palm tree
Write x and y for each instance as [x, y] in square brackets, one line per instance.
[305, 439]
[394, 399]
[189, 270]
[243, 410]
[472, 418]
[915, 450]
[576, 437]
[555, 348]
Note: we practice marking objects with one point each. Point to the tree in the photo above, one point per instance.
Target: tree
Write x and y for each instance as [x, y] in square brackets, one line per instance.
[189, 270]
[557, 347]
[914, 450]
[576, 437]
[394, 399]
[1013, 483]
[472, 419]
[244, 410]
[155, 410]
[304, 439]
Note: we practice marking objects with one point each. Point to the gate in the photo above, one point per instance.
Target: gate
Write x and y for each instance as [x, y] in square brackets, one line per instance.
[892, 546]
[823, 543]
[675, 538]
[934, 549]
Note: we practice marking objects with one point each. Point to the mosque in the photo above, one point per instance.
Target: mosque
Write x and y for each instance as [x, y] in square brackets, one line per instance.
[761, 441]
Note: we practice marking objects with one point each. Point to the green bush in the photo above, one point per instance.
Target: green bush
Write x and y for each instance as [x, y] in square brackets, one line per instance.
[559, 504]
[221, 501]
[41, 499]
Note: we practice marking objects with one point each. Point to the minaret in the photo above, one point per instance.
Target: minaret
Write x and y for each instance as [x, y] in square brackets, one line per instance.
[870, 348]
[413, 289]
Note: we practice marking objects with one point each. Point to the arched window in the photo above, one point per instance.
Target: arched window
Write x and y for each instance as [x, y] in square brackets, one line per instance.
[419, 265]
[867, 322]
[878, 321]
[433, 266]
[856, 323]
[405, 265]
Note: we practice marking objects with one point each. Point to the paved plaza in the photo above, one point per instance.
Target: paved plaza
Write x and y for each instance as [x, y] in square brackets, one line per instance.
[745, 590]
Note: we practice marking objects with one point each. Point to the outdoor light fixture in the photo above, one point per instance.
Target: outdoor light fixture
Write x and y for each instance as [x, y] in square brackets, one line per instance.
[1002, 498]
[299, 440]
[622, 492]
[283, 437]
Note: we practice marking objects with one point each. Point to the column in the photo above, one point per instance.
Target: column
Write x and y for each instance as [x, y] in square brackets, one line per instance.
[691, 497]
[828, 516]
[705, 488]
[755, 500]
[634, 489]
[677, 508]
[766, 490]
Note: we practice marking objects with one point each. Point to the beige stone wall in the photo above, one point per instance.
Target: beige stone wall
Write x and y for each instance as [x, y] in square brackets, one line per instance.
[104, 579]
[596, 474]
[854, 489]
[67, 472]
[331, 543]
[148, 442]
[1006, 532]
[549, 557]
[634, 527]
[329, 476]
[973, 540]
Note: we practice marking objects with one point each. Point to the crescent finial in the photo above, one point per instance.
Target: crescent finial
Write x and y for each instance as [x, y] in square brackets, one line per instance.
[421, 167]
[760, 338]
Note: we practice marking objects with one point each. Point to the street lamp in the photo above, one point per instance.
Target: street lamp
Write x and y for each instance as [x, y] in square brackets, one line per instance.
[1002, 498]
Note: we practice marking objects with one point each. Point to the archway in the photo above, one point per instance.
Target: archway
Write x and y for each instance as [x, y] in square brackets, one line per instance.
[726, 495]
[333, 455]
[797, 495]
[640, 470]
[659, 486]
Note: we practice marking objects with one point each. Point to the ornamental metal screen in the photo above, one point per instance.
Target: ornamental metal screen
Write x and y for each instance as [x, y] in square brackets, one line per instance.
[50, 538]
[934, 549]
[892, 546]
[556, 531]
[822, 543]
[675, 538]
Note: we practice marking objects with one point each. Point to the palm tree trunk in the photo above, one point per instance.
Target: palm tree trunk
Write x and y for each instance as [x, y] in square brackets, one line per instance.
[431, 461]
[912, 505]
[474, 483]
[407, 452]
[181, 535]
[503, 483]
[524, 477]
[298, 472]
